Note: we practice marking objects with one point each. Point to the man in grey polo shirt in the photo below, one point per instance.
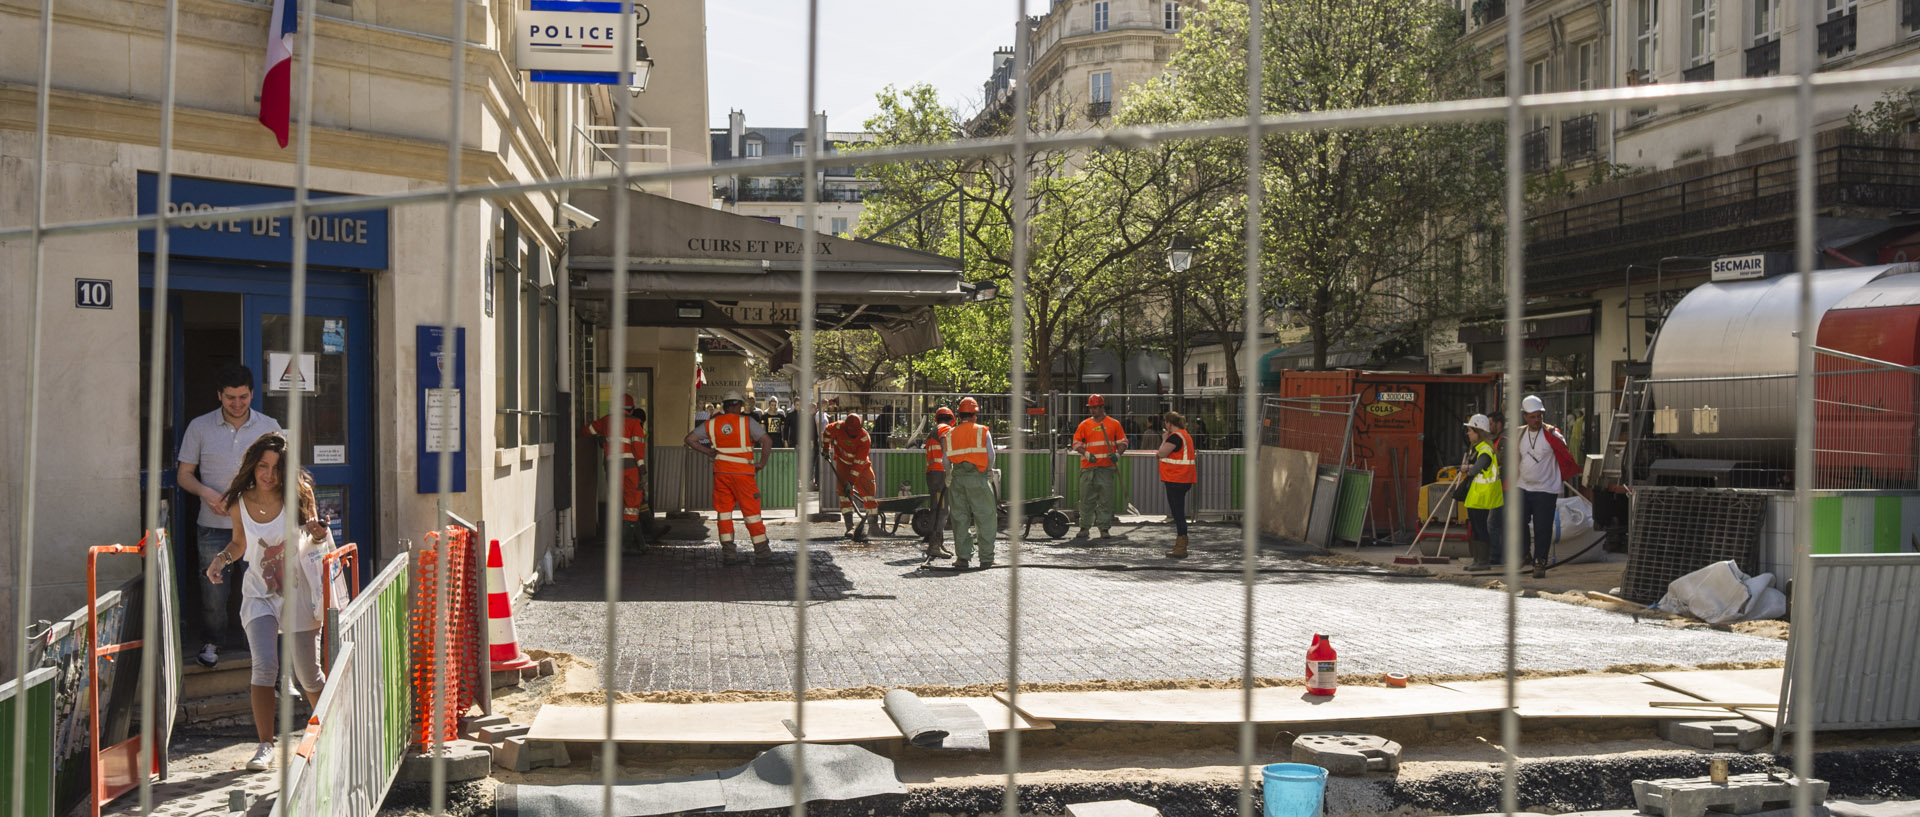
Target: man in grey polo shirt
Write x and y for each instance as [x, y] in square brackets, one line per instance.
[210, 454]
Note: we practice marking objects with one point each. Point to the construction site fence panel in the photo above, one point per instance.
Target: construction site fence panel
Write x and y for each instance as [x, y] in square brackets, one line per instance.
[350, 752]
[1738, 431]
[901, 419]
[1862, 642]
[678, 472]
[39, 688]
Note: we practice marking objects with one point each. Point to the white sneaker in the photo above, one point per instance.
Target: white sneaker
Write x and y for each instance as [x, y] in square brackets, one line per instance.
[262, 758]
[209, 655]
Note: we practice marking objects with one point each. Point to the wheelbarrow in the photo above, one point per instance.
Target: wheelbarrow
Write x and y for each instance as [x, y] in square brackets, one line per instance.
[1044, 510]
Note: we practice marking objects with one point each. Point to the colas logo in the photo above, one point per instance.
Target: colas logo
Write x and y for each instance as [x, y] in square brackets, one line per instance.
[1382, 409]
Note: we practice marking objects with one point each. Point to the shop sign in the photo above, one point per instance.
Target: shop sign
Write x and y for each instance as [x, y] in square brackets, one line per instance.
[1563, 326]
[761, 313]
[1382, 409]
[1749, 267]
[356, 240]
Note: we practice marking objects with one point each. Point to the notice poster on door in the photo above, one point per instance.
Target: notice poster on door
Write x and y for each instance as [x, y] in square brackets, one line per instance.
[440, 383]
[280, 366]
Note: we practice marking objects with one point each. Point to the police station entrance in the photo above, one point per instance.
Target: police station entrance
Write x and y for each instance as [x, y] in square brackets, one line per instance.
[229, 301]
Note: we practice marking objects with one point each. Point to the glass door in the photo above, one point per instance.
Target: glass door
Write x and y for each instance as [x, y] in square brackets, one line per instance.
[331, 378]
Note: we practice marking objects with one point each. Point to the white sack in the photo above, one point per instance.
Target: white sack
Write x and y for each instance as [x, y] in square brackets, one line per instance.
[1715, 594]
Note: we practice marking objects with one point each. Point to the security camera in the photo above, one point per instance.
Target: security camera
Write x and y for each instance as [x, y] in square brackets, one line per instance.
[577, 218]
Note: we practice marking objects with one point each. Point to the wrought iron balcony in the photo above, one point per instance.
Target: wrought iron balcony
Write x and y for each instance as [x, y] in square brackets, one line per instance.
[1533, 146]
[1099, 110]
[1764, 59]
[1579, 137]
[1683, 211]
[1837, 34]
[1699, 73]
[1910, 13]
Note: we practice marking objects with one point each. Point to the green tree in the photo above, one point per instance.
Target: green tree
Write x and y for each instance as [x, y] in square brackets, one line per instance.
[1090, 218]
[1361, 228]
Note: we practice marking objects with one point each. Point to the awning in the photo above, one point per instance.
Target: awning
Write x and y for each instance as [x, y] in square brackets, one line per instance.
[739, 277]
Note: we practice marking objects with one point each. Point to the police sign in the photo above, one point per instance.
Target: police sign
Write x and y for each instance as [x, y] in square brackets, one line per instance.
[576, 38]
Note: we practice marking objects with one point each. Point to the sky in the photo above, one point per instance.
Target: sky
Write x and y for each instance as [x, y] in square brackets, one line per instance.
[757, 55]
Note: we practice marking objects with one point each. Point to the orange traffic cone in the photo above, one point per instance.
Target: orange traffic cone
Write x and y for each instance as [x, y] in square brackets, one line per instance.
[503, 642]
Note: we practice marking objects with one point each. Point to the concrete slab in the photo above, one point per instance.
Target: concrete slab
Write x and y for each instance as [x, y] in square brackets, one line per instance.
[1607, 696]
[754, 722]
[465, 759]
[1735, 734]
[1273, 705]
[1741, 794]
[500, 732]
[1112, 808]
[1731, 686]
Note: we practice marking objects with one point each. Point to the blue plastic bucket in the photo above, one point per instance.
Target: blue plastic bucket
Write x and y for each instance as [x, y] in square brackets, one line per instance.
[1293, 789]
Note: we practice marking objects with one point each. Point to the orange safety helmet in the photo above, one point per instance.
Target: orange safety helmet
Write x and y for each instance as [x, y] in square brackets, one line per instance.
[969, 406]
[853, 421]
[628, 399]
[1096, 400]
[943, 411]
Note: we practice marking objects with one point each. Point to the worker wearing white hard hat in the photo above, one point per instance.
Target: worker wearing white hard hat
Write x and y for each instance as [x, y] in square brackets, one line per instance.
[1481, 478]
[1544, 463]
[729, 439]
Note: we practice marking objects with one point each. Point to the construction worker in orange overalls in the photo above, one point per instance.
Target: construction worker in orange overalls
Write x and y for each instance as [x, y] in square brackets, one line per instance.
[936, 444]
[633, 460]
[728, 438]
[851, 448]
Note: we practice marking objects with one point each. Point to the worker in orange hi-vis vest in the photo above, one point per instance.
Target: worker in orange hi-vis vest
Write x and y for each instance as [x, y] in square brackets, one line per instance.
[936, 444]
[851, 448]
[729, 438]
[970, 460]
[632, 436]
[1100, 441]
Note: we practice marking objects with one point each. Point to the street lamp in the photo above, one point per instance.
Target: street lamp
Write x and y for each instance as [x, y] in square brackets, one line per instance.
[1179, 259]
[642, 66]
[1179, 253]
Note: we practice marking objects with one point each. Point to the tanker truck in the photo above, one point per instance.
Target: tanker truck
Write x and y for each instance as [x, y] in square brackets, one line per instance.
[1719, 406]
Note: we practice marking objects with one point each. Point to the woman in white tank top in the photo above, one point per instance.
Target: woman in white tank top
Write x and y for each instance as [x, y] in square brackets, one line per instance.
[257, 504]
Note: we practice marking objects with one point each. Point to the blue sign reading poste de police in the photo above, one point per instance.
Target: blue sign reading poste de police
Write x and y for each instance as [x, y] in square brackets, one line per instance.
[354, 240]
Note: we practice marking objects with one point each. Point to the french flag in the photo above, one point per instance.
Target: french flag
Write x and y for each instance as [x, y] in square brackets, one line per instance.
[276, 88]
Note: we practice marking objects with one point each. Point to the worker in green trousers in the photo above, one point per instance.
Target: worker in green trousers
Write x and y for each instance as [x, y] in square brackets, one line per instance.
[1099, 441]
[970, 458]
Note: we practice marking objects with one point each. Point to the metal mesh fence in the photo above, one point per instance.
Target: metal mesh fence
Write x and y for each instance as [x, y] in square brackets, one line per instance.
[1738, 431]
[1679, 530]
[1798, 83]
[902, 419]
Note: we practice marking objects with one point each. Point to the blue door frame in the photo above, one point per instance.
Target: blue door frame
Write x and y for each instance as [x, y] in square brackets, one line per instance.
[264, 291]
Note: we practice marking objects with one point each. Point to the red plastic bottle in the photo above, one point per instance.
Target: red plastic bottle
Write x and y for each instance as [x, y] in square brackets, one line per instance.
[1322, 676]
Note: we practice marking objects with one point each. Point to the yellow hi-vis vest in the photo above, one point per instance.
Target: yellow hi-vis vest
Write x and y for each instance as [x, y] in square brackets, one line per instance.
[1485, 492]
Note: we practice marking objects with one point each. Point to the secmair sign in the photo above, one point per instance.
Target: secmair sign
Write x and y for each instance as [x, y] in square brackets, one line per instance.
[586, 38]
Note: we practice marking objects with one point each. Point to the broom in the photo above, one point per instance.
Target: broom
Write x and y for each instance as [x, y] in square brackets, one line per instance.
[1409, 558]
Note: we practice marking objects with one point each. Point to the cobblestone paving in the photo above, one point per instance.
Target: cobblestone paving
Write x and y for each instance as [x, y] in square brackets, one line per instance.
[1087, 613]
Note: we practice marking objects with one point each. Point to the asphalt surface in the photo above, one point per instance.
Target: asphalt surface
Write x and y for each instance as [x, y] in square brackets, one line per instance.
[1118, 611]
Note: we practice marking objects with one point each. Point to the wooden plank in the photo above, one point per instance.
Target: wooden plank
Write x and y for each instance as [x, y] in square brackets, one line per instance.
[751, 722]
[1274, 705]
[1585, 696]
[1730, 685]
